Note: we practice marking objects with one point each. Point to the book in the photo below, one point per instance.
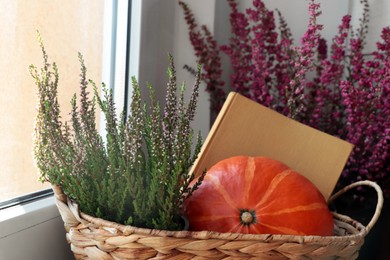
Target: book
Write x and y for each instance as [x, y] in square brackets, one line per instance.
[244, 127]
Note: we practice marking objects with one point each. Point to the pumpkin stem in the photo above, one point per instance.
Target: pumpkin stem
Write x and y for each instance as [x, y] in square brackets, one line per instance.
[247, 217]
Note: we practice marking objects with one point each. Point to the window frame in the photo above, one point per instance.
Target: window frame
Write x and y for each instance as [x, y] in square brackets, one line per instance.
[23, 199]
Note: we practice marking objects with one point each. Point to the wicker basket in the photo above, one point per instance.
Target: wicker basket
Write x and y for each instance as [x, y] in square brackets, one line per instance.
[93, 238]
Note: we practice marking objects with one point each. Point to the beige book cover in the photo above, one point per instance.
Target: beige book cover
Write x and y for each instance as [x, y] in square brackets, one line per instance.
[244, 127]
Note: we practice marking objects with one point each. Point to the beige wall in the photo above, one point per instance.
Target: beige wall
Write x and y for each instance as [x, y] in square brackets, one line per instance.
[66, 28]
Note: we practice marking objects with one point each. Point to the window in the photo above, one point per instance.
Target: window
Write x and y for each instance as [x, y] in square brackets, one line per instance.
[67, 27]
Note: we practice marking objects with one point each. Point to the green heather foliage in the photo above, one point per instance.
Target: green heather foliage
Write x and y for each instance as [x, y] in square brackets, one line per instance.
[140, 173]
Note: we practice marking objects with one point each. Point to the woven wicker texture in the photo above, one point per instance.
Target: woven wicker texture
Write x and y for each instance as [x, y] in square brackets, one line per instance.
[93, 238]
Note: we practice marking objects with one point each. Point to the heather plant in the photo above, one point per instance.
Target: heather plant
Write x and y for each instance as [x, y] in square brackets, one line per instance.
[139, 174]
[337, 88]
[207, 50]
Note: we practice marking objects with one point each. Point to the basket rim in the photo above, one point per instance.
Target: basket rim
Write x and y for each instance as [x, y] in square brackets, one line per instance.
[63, 201]
[128, 229]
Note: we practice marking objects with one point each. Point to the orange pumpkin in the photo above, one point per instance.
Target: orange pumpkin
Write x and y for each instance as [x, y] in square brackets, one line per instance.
[257, 195]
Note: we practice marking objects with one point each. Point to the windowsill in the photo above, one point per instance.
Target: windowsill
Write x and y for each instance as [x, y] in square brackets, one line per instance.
[33, 231]
[20, 217]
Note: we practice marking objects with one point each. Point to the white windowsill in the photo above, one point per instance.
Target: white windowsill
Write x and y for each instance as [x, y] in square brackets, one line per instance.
[21, 217]
[33, 231]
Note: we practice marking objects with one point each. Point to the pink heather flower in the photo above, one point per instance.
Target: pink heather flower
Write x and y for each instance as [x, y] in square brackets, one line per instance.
[325, 114]
[239, 51]
[343, 92]
[264, 49]
[322, 49]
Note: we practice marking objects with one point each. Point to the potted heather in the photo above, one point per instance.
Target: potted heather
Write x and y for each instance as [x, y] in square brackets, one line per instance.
[335, 88]
[138, 173]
